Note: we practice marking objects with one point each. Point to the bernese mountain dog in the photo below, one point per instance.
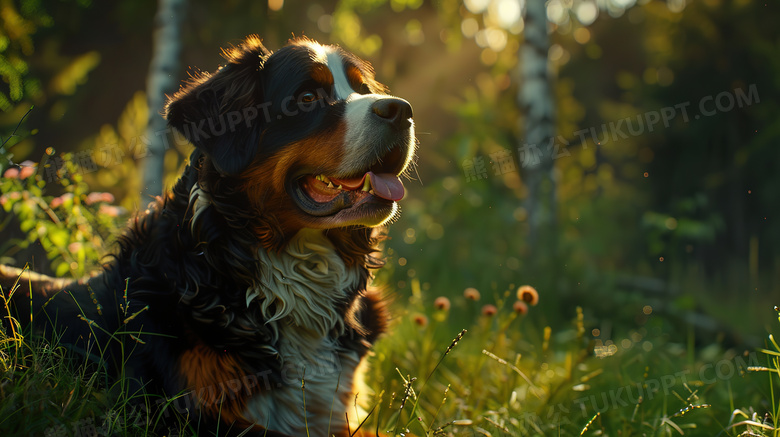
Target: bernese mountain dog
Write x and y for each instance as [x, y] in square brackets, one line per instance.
[247, 287]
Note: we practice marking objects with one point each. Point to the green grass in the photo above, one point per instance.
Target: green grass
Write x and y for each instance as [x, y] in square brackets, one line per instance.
[509, 375]
[460, 372]
[47, 390]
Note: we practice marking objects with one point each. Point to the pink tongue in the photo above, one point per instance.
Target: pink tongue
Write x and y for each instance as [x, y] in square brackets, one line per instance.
[385, 185]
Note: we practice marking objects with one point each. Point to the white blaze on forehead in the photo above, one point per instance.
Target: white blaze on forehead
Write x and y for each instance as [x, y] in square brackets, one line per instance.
[330, 56]
[360, 131]
[358, 109]
[340, 81]
[318, 53]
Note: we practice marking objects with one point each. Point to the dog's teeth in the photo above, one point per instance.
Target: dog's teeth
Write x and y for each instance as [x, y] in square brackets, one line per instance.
[371, 192]
[339, 187]
[318, 177]
[324, 178]
[367, 184]
[330, 184]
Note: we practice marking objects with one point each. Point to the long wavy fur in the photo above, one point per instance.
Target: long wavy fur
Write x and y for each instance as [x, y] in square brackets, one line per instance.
[196, 277]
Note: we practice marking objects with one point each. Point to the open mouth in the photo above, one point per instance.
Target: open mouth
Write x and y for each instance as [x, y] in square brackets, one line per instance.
[370, 192]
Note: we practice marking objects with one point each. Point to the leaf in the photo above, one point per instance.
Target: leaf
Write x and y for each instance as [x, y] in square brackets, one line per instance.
[58, 237]
[62, 269]
[26, 225]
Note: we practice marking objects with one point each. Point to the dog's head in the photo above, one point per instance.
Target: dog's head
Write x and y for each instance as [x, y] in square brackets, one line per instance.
[306, 132]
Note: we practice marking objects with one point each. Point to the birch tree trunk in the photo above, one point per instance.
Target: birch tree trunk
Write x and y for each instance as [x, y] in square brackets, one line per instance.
[537, 103]
[162, 79]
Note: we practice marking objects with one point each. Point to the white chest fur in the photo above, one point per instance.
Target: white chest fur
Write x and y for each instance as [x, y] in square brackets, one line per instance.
[301, 289]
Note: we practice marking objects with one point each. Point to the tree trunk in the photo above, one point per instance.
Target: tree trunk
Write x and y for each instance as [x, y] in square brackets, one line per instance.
[537, 103]
[162, 80]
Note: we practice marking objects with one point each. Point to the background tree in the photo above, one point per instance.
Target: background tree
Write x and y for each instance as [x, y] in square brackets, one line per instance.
[537, 147]
[162, 80]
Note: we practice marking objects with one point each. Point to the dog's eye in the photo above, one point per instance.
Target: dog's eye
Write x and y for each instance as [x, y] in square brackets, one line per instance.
[308, 97]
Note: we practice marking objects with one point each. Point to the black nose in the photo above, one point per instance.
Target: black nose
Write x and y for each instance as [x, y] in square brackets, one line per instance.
[394, 111]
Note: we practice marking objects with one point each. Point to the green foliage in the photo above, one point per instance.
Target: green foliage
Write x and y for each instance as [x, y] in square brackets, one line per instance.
[17, 29]
[509, 376]
[73, 228]
[41, 380]
[70, 393]
[118, 150]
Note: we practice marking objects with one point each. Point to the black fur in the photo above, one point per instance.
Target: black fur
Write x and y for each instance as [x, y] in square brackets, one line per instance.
[171, 286]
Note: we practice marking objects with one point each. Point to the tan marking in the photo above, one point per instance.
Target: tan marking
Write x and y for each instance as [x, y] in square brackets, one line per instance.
[218, 382]
[355, 77]
[340, 81]
[322, 74]
[264, 180]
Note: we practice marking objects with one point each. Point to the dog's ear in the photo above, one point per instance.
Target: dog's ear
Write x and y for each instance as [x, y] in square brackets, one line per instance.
[220, 113]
